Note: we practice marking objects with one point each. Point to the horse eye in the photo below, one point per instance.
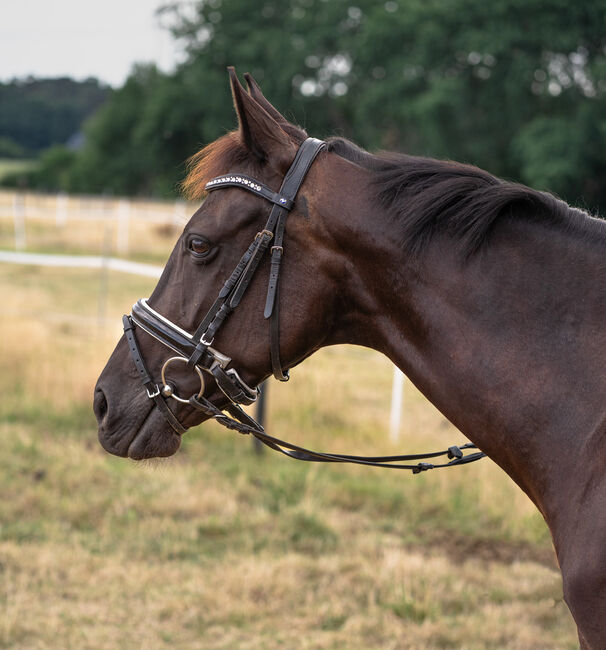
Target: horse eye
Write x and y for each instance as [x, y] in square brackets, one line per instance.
[199, 246]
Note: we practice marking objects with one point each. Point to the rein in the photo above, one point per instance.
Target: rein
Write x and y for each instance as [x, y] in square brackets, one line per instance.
[197, 353]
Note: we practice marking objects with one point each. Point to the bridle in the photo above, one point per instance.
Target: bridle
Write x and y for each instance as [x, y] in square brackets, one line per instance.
[196, 350]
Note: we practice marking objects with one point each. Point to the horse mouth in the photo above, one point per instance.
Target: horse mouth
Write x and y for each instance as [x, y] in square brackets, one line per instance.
[139, 433]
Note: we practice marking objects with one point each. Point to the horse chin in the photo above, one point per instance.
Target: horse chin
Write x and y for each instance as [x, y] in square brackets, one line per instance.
[153, 440]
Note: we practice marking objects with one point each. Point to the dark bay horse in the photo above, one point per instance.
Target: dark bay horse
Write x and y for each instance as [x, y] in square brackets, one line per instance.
[490, 296]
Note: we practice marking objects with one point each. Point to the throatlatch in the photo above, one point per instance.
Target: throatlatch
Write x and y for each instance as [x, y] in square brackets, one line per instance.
[197, 352]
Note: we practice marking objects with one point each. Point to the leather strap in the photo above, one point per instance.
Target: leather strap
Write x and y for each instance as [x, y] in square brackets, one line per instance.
[263, 238]
[274, 342]
[152, 389]
[232, 390]
[244, 424]
[306, 154]
[234, 288]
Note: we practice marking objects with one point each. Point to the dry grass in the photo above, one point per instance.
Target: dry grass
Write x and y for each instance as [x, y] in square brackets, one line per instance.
[219, 548]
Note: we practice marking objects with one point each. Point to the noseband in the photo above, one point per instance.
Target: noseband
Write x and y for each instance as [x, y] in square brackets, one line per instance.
[196, 350]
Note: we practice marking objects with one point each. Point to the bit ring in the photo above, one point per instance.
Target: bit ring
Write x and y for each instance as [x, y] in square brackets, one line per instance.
[168, 391]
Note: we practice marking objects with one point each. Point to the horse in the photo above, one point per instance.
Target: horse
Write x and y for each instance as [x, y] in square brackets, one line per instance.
[489, 295]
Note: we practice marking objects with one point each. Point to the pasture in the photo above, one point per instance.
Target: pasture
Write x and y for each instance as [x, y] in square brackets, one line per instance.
[219, 547]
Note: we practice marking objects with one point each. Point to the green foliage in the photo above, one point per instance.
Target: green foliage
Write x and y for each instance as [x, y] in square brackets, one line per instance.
[15, 168]
[38, 113]
[508, 86]
[10, 149]
[137, 142]
[516, 87]
[51, 173]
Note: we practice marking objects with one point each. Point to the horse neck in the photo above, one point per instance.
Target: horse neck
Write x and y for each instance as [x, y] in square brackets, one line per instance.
[498, 342]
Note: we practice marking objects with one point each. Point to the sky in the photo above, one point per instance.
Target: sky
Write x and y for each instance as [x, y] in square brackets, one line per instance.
[81, 38]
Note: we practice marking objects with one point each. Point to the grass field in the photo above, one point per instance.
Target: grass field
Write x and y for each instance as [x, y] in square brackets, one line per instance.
[11, 165]
[221, 548]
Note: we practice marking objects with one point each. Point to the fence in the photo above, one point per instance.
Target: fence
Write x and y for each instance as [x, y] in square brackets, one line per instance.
[106, 225]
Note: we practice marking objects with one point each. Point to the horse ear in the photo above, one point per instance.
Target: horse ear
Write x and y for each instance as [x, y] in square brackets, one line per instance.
[295, 132]
[260, 132]
[255, 92]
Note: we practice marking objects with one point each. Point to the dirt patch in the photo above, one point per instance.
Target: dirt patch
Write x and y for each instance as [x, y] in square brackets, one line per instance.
[461, 548]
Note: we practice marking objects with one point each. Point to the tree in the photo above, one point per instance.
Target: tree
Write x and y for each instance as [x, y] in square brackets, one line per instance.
[515, 86]
[38, 113]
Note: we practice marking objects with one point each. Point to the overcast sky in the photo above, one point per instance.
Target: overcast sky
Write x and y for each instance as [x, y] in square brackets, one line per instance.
[81, 38]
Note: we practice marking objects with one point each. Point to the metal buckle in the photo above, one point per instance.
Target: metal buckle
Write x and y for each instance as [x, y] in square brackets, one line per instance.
[219, 358]
[264, 233]
[154, 394]
[252, 393]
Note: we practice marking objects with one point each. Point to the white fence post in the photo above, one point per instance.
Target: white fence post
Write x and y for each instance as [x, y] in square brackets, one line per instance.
[123, 215]
[19, 217]
[61, 209]
[395, 416]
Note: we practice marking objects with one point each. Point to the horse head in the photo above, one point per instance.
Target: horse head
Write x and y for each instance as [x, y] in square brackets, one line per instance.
[239, 176]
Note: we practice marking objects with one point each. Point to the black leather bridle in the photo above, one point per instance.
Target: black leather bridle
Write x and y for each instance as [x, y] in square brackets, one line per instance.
[196, 350]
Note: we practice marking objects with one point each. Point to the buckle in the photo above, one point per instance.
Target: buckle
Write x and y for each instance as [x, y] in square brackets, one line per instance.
[264, 233]
[153, 394]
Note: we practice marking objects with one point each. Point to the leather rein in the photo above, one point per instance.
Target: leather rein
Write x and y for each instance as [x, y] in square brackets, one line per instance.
[197, 353]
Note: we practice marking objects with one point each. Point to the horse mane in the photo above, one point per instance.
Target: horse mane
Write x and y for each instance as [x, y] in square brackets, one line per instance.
[216, 159]
[220, 157]
[423, 196]
[426, 196]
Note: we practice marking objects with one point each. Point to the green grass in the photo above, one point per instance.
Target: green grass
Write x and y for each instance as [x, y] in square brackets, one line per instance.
[11, 166]
[219, 547]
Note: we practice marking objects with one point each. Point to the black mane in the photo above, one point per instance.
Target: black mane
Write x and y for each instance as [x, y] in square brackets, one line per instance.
[426, 196]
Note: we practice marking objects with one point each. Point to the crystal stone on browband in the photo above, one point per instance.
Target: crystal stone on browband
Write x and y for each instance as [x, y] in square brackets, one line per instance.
[229, 180]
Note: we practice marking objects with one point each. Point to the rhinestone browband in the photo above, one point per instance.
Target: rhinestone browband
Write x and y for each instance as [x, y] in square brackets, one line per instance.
[251, 185]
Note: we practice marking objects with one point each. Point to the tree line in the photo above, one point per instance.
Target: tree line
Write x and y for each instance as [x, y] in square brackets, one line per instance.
[36, 114]
[517, 87]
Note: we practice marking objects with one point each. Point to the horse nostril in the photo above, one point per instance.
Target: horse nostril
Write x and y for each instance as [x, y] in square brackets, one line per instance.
[100, 405]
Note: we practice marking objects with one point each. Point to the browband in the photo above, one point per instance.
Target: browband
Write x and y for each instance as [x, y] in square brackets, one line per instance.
[250, 184]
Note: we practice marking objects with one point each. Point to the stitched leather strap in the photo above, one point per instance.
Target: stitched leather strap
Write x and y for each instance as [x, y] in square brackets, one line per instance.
[152, 389]
[250, 184]
[306, 154]
[234, 288]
